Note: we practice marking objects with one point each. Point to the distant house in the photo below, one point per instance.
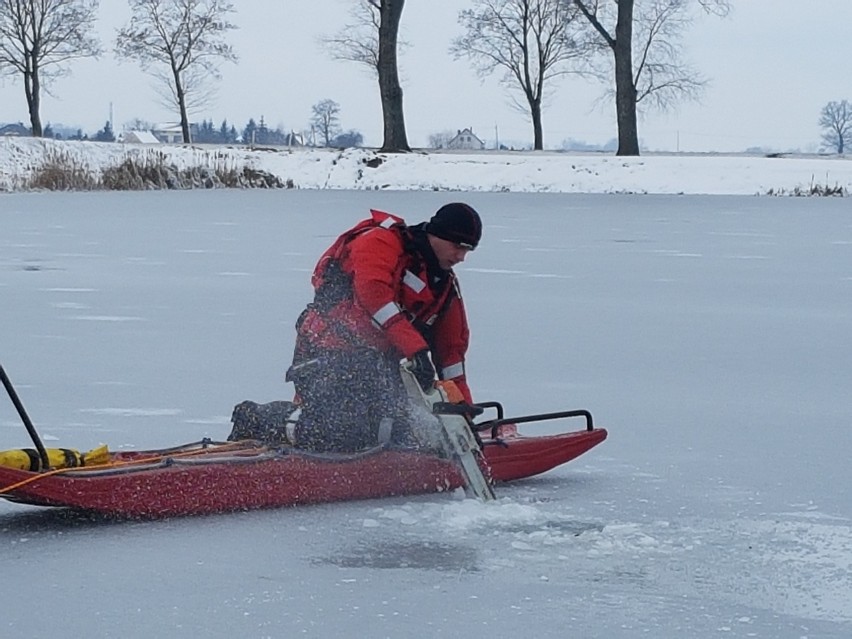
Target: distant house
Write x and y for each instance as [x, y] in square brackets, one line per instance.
[466, 139]
[294, 139]
[14, 130]
[139, 137]
[170, 132]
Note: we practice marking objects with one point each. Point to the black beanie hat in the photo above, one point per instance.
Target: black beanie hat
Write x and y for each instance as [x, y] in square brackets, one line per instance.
[456, 222]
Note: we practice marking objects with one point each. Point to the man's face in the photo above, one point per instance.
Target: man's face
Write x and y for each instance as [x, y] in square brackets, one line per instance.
[448, 253]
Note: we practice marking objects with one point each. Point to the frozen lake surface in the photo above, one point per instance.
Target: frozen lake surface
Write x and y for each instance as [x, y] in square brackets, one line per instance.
[709, 334]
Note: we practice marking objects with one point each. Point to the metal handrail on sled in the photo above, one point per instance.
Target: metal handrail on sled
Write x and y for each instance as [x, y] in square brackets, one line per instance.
[495, 424]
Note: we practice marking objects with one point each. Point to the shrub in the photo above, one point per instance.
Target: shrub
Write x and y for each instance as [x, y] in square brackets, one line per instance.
[148, 171]
[60, 172]
[815, 189]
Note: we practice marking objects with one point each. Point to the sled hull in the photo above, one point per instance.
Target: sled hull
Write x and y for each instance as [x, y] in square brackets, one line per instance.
[214, 477]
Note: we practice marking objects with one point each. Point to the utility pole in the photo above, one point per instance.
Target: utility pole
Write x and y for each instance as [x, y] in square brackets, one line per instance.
[496, 138]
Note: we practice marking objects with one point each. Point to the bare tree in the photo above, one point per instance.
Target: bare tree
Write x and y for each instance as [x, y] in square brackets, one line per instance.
[325, 119]
[137, 124]
[179, 42]
[37, 40]
[530, 41]
[372, 39]
[646, 50]
[835, 120]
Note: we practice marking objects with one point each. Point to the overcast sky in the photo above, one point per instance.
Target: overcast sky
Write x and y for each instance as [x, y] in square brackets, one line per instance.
[772, 68]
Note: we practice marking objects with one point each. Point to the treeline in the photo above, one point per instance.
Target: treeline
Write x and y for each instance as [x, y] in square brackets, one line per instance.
[634, 47]
[206, 132]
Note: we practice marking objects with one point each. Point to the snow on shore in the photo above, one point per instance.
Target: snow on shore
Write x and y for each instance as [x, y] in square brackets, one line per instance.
[364, 169]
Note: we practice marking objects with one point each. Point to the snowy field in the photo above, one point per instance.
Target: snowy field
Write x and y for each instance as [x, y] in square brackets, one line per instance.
[708, 334]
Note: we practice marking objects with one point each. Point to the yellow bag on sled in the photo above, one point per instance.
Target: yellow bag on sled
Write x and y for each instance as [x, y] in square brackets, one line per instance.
[29, 459]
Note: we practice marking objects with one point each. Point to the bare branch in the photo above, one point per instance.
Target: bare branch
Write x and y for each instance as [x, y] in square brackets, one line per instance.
[590, 10]
[358, 40]
[661, 77]
[719, 8]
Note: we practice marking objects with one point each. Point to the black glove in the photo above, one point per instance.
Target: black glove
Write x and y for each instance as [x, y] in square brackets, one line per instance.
[423, 369]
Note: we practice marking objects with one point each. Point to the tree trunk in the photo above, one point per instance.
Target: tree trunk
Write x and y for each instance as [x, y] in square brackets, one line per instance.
[181, 98]
[395, 139]
[32, 88]
[625, 88]
[538, 134]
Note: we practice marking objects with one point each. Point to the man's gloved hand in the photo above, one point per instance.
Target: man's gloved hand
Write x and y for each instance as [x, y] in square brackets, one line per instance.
[423, 369]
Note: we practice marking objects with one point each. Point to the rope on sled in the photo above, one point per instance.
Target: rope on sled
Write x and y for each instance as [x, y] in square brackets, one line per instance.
[130, 462]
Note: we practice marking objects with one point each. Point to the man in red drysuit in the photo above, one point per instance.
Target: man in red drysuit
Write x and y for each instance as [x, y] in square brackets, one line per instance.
[384, 291]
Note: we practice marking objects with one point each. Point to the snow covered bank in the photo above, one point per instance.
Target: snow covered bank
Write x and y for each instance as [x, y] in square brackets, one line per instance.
[21, 159]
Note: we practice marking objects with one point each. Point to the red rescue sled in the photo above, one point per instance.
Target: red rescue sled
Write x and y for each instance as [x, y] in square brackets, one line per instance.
[211, 477]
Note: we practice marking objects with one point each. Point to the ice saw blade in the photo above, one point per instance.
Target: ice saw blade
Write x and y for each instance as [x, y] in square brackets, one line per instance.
[457, 438]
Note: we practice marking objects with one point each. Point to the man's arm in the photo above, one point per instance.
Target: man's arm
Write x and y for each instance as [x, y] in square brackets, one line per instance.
[375, 260]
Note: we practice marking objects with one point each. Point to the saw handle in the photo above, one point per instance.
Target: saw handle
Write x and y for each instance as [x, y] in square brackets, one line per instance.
[448, 408]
